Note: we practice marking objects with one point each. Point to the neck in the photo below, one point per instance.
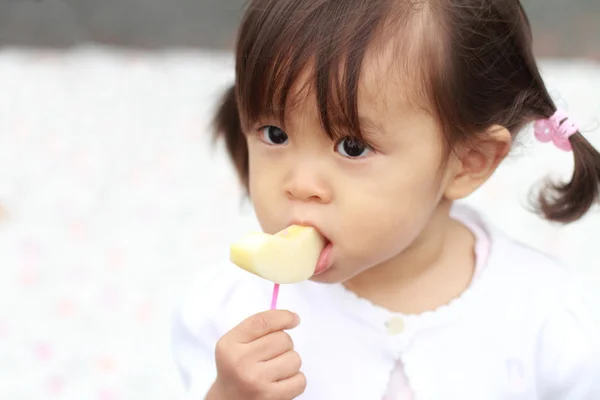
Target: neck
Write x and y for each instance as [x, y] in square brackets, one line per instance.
[436, 268]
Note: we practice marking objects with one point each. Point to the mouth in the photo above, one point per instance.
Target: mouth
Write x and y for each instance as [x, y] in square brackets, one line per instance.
[324, 260]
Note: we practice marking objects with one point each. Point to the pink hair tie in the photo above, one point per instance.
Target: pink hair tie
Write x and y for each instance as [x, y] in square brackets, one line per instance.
[556, 129]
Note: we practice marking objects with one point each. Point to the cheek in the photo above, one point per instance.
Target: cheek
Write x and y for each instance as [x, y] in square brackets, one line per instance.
[393, 209]
[263, 187]
[385, 228]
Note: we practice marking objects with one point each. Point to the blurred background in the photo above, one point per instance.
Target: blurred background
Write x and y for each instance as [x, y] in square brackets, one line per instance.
[112, 197]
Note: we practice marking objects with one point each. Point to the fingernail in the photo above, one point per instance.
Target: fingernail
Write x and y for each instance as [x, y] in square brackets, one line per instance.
[296, 318]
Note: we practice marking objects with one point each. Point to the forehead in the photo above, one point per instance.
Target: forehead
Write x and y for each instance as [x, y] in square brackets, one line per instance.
[384, 86]
[393, 76]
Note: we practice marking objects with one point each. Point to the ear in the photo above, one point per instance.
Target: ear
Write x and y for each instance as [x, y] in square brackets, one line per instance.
[472, 166]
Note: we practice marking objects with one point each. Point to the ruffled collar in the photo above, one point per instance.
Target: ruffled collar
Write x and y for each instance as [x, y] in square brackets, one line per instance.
[365, 311]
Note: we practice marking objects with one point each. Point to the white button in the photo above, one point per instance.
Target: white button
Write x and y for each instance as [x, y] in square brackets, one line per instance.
[395, 326]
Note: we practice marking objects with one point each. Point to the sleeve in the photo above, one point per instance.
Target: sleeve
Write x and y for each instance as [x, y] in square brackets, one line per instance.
[199, 320]
[569, 352]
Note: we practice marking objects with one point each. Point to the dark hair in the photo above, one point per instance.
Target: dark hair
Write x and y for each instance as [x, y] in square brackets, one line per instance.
[473, 60]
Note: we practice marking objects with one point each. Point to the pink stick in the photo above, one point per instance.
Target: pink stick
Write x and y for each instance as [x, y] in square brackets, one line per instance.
[275, 295]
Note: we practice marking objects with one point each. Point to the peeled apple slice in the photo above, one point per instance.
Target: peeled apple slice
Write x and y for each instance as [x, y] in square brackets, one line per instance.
[289, 256]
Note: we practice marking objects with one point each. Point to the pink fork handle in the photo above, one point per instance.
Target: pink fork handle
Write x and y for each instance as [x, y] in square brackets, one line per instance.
[275, 295]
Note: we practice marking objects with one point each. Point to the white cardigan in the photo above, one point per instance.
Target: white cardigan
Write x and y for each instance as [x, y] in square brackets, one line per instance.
[519, 332]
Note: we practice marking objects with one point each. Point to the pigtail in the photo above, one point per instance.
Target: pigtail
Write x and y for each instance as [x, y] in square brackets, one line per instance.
[228, 126]
[569, 202]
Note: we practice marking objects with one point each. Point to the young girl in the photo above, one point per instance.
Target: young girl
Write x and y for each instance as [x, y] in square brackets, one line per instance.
[368, 119]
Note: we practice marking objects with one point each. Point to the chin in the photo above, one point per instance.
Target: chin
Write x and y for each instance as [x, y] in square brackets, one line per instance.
[331, 275]
[328, 276]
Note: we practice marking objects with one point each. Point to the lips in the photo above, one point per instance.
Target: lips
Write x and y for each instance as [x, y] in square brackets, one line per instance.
[324, 261]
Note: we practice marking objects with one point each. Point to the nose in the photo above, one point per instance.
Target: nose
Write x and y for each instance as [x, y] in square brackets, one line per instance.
[308, 184]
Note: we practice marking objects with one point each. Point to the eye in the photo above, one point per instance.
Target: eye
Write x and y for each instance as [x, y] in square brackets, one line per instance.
[352, 147]
[274, 136]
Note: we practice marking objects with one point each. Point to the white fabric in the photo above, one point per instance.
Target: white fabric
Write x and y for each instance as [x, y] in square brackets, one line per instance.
[519, 332]
[398, 387]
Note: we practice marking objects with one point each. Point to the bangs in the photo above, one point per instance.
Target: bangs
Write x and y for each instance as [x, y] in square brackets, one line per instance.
[290, 49]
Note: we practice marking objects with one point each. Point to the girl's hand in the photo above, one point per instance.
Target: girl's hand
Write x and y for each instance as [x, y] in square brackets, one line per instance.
[256, 360]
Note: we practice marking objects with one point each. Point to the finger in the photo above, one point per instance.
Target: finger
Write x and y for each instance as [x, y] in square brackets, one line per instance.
[272, 345]
[291, 388]
[262, 324]
[284, 366]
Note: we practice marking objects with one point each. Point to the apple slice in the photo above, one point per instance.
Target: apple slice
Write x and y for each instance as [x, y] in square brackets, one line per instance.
[289, 256]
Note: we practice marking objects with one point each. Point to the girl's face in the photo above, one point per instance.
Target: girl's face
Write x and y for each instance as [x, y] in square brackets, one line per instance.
[371, 200]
